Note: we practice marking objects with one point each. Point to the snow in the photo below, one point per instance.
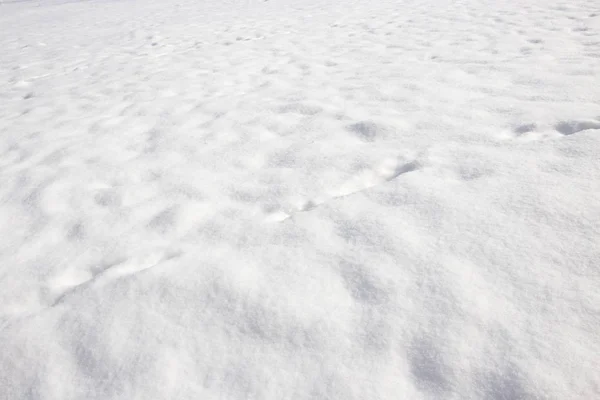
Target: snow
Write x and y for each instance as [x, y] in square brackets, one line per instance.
[299, 199]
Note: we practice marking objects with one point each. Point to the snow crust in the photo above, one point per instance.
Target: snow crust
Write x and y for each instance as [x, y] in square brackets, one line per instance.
[299, 199]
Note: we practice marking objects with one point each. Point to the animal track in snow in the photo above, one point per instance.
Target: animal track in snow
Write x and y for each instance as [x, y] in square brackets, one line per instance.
[105, 271]
[387, 171]
[525, 128]
[570, 127]
[565, 128]
[367, 131]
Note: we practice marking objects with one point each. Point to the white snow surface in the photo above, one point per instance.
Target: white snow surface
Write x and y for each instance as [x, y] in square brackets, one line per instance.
[300, 199]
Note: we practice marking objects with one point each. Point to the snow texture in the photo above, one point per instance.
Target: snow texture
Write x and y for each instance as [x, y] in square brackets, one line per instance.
[307, 199]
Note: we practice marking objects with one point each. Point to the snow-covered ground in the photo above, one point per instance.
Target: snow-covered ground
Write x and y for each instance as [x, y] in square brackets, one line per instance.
[299, 199]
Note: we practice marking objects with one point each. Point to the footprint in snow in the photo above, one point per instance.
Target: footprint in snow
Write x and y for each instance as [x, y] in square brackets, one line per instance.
[107, 269]
[570, 127]
[564, 128]
[387, 171]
